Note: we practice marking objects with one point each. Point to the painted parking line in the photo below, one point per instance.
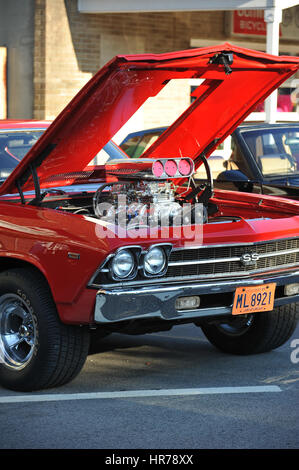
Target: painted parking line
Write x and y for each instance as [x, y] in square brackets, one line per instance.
[138, 394]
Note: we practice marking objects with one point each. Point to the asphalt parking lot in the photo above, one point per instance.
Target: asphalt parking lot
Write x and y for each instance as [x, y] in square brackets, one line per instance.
[163, 391]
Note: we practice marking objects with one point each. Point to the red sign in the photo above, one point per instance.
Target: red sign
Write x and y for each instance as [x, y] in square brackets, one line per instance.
[249, 22]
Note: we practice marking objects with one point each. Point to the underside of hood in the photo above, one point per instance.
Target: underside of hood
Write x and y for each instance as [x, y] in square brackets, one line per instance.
[235, 80]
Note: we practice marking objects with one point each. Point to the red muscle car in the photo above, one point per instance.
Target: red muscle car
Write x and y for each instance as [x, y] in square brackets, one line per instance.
[137, 247]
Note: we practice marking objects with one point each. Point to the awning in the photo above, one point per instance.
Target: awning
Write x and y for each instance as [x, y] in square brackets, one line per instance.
[272, 15]
[131, 6]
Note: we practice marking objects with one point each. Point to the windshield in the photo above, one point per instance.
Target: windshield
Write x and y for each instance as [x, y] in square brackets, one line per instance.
[136, 143]
[109, 153]
[13, 147]
[275, 150]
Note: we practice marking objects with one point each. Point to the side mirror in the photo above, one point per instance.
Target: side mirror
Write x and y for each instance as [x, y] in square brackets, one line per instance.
[234, 180]
[234, 176]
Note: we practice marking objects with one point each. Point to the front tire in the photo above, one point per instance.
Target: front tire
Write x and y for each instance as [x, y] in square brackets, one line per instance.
[256, 333]
[37, 351]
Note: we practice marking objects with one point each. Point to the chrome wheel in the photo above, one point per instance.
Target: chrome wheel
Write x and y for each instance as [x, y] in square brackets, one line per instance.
[237, 326]
[254, 333]
[37, 350]
[17, 332]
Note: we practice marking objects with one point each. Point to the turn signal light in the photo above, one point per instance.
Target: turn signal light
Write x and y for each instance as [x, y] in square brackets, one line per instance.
[291, 289]
[187, 303]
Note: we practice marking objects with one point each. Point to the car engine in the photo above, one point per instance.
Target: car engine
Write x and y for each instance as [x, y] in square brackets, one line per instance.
[140, 203]
[148, 199]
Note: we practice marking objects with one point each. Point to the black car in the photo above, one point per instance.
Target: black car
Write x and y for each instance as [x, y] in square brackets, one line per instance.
[264, 158]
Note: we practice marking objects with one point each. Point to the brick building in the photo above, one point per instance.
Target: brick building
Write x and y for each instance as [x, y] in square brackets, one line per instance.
[70, 47]
[53, 49]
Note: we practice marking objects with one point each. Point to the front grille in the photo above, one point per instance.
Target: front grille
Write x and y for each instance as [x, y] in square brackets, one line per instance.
[212, 262]
[205, 261]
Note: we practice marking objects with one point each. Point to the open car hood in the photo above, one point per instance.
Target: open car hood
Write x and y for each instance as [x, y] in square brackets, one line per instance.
[235, 80]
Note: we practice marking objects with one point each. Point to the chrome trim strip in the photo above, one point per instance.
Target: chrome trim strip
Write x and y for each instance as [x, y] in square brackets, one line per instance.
[274, 269]
[192, 278]
[176, 288]
[203, 261]
[223, 245]
[235, 258]
[25, 129]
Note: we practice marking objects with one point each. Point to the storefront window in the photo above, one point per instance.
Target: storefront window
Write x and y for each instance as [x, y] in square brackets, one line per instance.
[286, 101]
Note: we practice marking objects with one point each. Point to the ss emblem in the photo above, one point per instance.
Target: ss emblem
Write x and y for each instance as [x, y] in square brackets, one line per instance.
[249, 259]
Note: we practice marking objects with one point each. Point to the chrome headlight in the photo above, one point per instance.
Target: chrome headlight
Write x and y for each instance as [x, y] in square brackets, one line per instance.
[123, 264]
[154, 261]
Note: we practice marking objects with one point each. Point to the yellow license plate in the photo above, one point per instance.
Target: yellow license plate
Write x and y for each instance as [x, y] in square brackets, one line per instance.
[254, 299]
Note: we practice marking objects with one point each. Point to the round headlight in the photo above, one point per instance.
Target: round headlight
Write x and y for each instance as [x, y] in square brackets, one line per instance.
[154, 261]
[123, 264]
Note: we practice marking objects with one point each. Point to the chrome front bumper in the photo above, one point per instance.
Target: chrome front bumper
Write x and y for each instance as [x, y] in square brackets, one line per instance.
[158, 301]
